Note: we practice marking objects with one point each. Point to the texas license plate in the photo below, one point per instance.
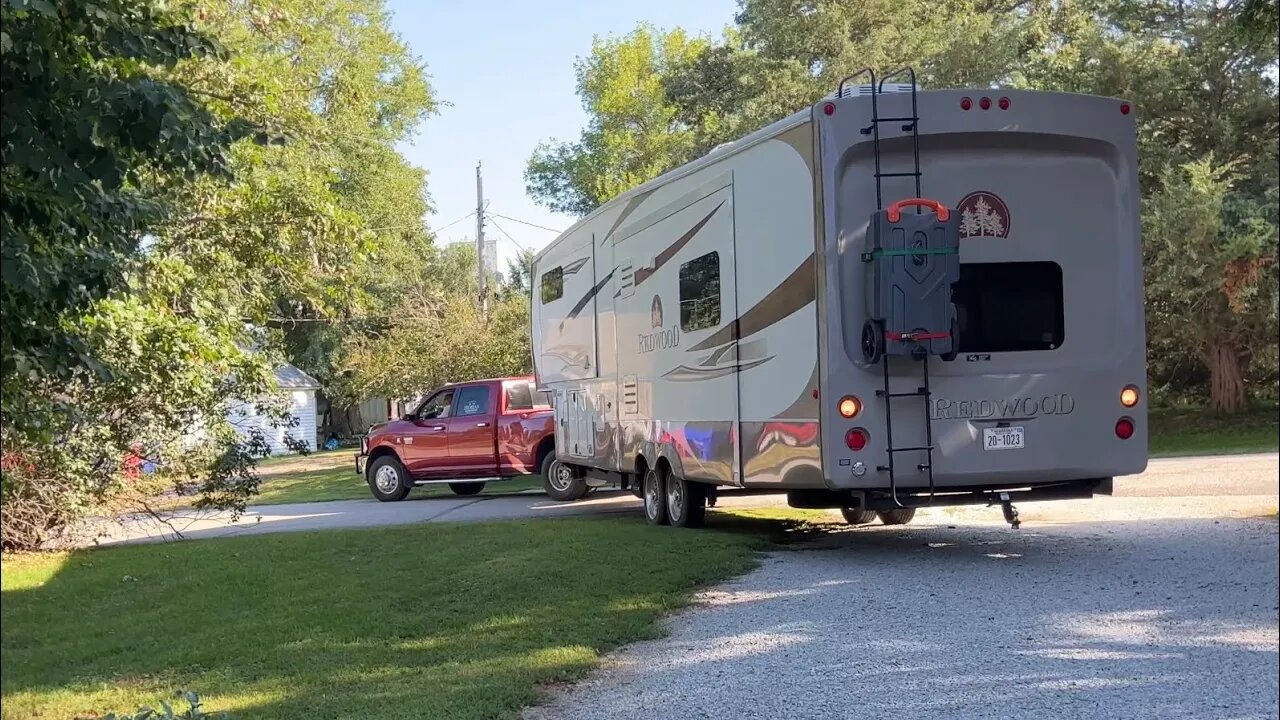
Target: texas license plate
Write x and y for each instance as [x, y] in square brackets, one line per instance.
[1003, 438]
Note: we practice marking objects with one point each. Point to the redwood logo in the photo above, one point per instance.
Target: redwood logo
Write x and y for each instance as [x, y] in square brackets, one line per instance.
[983, 214]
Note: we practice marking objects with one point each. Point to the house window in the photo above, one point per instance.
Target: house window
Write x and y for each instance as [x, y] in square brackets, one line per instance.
[700, 293]
[552, 285]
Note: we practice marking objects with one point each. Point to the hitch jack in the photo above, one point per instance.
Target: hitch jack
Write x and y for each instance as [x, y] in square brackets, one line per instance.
[1010, 512]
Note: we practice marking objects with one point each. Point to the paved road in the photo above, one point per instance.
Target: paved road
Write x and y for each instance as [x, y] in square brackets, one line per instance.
[1244, 476]
[1159, 603]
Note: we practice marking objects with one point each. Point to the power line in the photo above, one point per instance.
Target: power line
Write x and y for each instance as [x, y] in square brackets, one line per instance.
[455, 222]
[508, 235]
[526, 222]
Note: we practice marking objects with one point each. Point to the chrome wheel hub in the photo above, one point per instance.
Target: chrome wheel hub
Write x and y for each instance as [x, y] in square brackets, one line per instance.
[675, 498]
[561, 476]
[386, 479]
[651, 496]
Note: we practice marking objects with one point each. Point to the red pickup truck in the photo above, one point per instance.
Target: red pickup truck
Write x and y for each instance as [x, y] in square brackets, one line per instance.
[462, 433]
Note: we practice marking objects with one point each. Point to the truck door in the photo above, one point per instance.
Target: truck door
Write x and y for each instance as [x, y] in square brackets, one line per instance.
[424, 446]
[472, 431]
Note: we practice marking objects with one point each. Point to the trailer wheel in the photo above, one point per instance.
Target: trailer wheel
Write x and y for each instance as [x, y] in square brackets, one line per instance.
[558, 480]
[686, 502]
[655, 498]
[897, 516]
[873, 340]
[466, 488]
[388, 479]
[853, 516]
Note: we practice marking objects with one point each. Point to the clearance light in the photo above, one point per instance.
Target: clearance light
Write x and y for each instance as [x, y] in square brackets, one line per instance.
[985, 103]
[829, 109]
[965, 103]
[1124, 108]
[1124, 428]
[1004, 103]
[850, 406]
[856, 439]
[1129, 396]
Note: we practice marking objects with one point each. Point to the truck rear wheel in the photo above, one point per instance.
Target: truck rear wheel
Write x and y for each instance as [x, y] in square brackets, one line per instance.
[854, 516]
[558, 480]
[897, 516]
[466, 488]
[388, 479]
[686, 502]
[655, 498]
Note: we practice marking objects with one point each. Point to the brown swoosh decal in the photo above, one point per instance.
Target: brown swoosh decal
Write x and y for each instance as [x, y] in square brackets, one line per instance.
[632, 204]
[643, 274]
[791, 294]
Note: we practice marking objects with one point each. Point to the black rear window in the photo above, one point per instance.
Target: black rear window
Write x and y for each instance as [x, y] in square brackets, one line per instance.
[520, 396]
[1009, 307]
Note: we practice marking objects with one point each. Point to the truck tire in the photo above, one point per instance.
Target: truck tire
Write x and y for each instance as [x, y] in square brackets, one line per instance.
[853, 516]
[466, 488]
[558, 480]
[388, 479]
[686, 502]
[897, 516]
[655, 498]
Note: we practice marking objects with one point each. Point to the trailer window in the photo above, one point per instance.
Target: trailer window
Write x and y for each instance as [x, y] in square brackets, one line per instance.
[700, 293]
[1009, 307]
[552, 285]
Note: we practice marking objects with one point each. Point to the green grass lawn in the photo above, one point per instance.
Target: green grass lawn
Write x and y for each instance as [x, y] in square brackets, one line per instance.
[425, 621]
[332, 476]
[1197, 431]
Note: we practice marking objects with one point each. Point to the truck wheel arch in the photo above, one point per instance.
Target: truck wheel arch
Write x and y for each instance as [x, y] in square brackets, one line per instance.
[379, 452]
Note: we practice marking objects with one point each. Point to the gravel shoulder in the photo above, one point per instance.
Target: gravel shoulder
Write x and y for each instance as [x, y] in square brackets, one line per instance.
[1135, 607]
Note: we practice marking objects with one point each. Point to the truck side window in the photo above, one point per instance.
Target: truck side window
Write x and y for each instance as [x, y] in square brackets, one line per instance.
[700, 293]
[552, 285]
[437, 406]
[520, 396]
[472, 400]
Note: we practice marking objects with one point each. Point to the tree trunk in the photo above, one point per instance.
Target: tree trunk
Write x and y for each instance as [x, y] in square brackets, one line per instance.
[1226, 379]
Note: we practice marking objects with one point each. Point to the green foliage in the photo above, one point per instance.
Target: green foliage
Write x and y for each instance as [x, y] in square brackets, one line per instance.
[87, 115]
[166, 711]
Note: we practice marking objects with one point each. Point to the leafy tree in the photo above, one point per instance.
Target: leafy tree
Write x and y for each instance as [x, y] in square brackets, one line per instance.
[87, 115]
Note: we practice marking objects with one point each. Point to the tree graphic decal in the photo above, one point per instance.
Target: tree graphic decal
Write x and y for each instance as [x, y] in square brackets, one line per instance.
[983, 214]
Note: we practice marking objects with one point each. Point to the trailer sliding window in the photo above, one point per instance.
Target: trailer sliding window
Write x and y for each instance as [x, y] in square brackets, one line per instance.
[552, 285]
[1009, 307]
[700, 293]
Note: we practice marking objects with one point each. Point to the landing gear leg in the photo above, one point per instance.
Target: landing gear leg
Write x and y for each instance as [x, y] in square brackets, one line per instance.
[1010, 512]
[711, 495]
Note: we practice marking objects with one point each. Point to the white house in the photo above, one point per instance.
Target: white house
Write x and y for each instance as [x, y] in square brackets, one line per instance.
[301, 389]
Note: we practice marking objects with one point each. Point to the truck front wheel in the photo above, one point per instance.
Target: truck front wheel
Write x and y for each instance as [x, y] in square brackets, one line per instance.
[558, 480]
[388, 479]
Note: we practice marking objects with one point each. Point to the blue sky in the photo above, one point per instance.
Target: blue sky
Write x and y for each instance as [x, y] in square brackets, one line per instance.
[506, 69]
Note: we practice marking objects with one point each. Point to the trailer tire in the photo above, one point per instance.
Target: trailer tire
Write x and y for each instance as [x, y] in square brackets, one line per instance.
[897, 516]
[655, 498]
[854, 516]
[558, 481]
[388, 479]
[466, 488]
[686, 502]
[873, 341]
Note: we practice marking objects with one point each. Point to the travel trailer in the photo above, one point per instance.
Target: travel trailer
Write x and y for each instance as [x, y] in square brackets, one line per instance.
[890, 300]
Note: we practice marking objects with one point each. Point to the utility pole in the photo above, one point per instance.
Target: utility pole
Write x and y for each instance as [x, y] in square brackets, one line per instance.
[480, 276]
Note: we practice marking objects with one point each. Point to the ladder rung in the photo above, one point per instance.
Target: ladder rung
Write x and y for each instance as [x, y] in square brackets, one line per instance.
[898, 119]
[918, 393]
[911, 449]
[900, 174]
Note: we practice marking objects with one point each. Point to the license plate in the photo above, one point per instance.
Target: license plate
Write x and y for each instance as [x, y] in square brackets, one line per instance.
[1003, 438]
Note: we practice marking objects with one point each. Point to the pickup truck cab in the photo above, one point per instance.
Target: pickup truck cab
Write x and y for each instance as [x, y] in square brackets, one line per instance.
[463, 435]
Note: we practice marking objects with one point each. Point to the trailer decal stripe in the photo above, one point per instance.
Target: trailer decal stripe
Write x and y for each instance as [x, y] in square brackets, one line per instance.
[582, 304]
[795, 292]
[643, 274]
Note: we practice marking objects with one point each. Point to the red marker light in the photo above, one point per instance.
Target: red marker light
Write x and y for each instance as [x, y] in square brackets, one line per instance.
[1124, 428]
[985, 103]
[1004, 103]
[829, 109]
[856, 439]
[965, 103]
[1124, 108]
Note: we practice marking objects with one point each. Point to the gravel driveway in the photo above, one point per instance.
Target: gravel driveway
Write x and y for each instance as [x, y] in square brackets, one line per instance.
[1137, 607]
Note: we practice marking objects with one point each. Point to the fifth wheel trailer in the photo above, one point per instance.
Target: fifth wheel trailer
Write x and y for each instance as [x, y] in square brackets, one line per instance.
[889, 300]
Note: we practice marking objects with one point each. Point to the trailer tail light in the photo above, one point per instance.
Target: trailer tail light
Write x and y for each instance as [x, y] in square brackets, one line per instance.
[1129, 396]
[1004, 103]
[965, 103]
[1124, 428]
[850, 406]
[856, 439]
[985, 103]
